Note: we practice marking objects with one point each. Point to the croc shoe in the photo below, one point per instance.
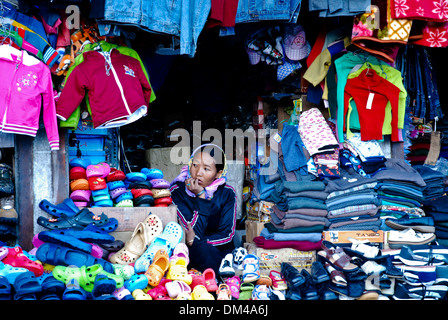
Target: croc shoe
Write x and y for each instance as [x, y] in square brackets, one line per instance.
[200, 293]
[124, 196]
[97, 183]
[10, 272]
[80, 162]
[115, 175]
[133, 248]
[141, 192]
[81, 195]
[140, 185]
[67, 207]
[135, 176]
[79, 184]
[76, 173]
[160, 184]
[124, 203]
[178, 271]
[144, 201]
[164, 201]
[17, 258]
[152, 173]
[139, 294]
[210, 280]
[115, 184]
[115, 193]
[137, 281]
[160, 193]
[95, 170]
[176, 288]
[106, 169]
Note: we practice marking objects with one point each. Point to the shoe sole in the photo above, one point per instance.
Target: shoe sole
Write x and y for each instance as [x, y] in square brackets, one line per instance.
[399, 244]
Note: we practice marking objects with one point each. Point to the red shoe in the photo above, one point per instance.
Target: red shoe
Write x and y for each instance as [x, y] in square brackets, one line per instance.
[160, 292]
[16, 258]
[198, 278]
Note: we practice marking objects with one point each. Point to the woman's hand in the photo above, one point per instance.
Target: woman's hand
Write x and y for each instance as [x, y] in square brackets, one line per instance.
[189, 234]
[193, 185]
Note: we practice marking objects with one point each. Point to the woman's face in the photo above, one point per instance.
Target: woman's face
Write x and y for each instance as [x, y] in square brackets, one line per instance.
[204, 169]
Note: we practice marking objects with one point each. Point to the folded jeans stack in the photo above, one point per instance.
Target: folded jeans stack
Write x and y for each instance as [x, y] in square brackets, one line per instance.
[435, 186]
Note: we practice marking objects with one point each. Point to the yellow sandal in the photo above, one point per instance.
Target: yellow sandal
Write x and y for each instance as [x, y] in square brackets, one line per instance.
[178, 271]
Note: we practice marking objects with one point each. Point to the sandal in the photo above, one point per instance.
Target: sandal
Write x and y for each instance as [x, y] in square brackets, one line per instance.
[67, 207]
[160, 193]
[176, 287]
[210, 280]
[336, 257]
[278, 281]
[152, 173]
[264, 280]
[17, 258]
[73, 291]
[85, 275]
[251, 268]
[178, 271]
[10, 272]
[65, 240]
[142, 264]
[78, 221]
[337, 277]
[158, 267]
[223, 292]
[154, 227]
[57, 255]
[200, 293]
[246, 291]
[234, 285]
[103, 285]
[5, 289]
[123, 270]
[139, 294]
[26, 283]
[135, 176]
[137, 281]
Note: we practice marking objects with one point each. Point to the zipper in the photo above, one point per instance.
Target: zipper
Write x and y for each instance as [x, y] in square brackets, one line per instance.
[9, 96]
[120, 87]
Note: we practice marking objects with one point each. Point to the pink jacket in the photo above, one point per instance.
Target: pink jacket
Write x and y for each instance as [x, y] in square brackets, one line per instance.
[26, 86]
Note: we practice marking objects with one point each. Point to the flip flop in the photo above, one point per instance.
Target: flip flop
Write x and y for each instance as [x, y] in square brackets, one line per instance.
[58, 255]
[78, 221]
[17, 258]
[26, 283]
[5, 289]
[67, 207]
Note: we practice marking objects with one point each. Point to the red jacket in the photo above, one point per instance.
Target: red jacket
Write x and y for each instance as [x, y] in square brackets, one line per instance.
[118, 90]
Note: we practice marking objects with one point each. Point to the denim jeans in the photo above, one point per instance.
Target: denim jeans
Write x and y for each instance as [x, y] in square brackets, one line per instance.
[261, 10]
[334, 8]
[293, 156]
[183, 18]
[432, 93]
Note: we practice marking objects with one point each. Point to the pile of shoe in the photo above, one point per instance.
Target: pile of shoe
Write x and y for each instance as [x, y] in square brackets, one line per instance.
[160, 188]
[80, 191]
[96, 175]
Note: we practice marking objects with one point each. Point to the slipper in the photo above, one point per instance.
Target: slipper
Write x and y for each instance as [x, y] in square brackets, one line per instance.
[143, 201]
[135, 176]
[78, 221]
[103, 285]
[210, 280]
[246, 291]
[26, 283]
[141, 192]
[160, 184]
[176, 288]
[76, 173]
[139, 294]
[180, 251]
[80, 195]
[164, 201]
[112, 185]
[109, 226]
[133, 248]
[85, 275]
[278, 281]
[67, 207]
[79, 184]
[95, 170]
[65, 240]
[5, 289]
[160, 193]
[88, 235]
[172, 232]
[251, 268]
[223, 292]
[97, 183]
[178, 270]
[128, 203]
[123, 270]
[115, 193]
[124, 196]
[137, 281]
[58, 255]
[115, 175]
[140, 185]
[200, 293]
[225, 268]
[10, 272]
[123, 294]
[80, 162]
[159, 292]
[106, 169]
[113, 246]
[17, 258]
[158, 267]
[234, 284]
[152, 173]
[73, 291]
[49, 296]
[103, 201]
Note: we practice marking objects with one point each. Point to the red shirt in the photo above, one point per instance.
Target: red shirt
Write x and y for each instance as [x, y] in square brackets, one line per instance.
[371, 111]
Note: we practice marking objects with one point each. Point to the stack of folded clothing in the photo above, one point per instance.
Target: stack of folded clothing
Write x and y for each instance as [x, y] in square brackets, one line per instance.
[435, 185]
[419, 149]
[352, 202]
[298, 216]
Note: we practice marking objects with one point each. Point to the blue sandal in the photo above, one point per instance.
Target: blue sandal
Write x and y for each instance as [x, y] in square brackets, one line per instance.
[5, 289]
[73, 291]
[27, 283]
[103, 285]
[66, 207]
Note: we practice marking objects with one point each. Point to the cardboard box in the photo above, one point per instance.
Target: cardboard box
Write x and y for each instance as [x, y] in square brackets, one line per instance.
[343, 237]
[129, 217]
[253, 229]
[271, 259]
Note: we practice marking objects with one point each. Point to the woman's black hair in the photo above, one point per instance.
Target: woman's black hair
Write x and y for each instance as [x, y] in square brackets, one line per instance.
[217, 156]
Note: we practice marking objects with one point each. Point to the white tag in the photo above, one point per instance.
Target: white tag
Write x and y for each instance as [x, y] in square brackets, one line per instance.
[277, 138]
[369, 101]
